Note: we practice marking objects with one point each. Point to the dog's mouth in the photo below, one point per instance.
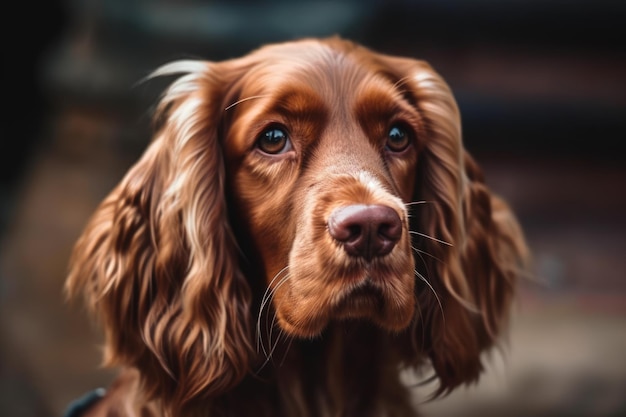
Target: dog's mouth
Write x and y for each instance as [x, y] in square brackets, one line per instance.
[367, 300]
[391, 307]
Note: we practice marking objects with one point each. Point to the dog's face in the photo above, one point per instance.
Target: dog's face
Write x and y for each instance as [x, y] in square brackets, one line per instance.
[311, 142]
[317, 177]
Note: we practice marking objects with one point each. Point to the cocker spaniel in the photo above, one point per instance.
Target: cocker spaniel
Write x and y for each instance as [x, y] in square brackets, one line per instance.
[304, 229]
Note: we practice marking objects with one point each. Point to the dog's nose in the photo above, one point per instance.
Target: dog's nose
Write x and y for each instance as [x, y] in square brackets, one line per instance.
[367, 231]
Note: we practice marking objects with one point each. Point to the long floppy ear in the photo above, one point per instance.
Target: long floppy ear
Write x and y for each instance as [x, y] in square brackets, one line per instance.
[157, 262]
[469, 246]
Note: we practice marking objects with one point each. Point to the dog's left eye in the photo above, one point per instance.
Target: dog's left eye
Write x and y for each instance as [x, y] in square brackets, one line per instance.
[398, 139]
[274, 141]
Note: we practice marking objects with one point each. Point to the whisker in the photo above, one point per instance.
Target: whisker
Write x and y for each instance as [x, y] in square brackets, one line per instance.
[281, 333]
[423, 278]
[430, 237]
[419, 252]
[422, 258]
[244, 100]
[420, 276]
[272, 347]
[267, 296]
[269, 330]
[269, 289]
[269, 356]
[414, 203]
[413, 343]
[269, 286]
[286, 351]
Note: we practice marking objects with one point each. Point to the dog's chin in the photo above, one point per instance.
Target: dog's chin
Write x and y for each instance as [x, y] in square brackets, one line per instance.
[370, 302]
[365, 302]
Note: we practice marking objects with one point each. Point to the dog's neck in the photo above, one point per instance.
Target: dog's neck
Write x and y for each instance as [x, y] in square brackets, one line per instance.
[351, 358]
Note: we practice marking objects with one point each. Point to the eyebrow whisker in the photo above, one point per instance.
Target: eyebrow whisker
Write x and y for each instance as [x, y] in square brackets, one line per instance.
[244, 99]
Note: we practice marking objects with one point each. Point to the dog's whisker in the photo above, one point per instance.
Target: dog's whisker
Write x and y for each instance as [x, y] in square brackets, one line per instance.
[416, 203]
[270, 287]
[278, 338]
[271, 331]
[424, 263]
[415, 347]
[272, 291]
[266, 296]
[420, 252]
[430, 237]
[271, 346]
[230, 106]
[286, 351]
[411, 204]
[421, 277]
[269, 356]
[281, 335]
[269, 293]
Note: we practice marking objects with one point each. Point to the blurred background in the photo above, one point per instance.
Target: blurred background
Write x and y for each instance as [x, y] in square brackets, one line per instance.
[542, 89]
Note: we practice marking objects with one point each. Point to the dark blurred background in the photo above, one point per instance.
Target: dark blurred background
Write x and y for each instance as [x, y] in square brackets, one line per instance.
[542, 89]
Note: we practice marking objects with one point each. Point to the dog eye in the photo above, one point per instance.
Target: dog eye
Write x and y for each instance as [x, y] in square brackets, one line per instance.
[274, 141]
[398, 139]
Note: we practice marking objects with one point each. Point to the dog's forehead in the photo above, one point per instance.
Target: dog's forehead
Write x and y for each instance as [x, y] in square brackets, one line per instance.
[327, 68]
[314, 78]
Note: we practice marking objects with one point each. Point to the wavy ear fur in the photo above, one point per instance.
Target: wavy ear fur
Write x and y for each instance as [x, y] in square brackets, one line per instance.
[157, 262]
[479, 250]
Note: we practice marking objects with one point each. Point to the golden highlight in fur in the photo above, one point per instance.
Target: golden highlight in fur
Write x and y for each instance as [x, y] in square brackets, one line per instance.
[304, 225]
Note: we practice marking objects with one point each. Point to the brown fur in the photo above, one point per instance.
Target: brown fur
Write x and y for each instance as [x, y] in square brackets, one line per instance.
[212, 271]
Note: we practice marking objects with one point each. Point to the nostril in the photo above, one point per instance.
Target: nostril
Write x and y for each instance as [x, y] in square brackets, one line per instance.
[365, 230]
[391, 230]
[354, 232]
[346, 223]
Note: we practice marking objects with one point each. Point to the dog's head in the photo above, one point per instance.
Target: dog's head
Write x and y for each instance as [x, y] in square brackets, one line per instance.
[321, 179]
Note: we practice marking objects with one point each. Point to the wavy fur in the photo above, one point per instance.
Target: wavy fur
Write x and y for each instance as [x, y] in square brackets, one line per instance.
[210, 246]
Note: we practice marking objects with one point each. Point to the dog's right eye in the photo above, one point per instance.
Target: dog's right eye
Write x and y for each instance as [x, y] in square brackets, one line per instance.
[274, 141]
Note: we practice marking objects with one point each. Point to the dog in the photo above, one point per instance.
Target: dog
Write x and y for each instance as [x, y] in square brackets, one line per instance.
[304, 227]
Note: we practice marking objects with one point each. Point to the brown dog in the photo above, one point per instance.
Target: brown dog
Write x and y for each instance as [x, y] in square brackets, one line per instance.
[305, 224]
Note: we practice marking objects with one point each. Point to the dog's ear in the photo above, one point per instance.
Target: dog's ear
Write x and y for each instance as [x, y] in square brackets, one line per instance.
[469, 247]
[157, 262]
[476, 279]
